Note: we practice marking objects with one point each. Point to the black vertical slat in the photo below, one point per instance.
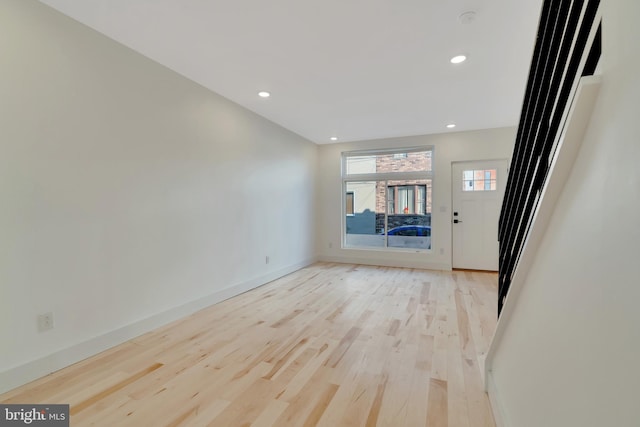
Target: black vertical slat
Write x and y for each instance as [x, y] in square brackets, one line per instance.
[532, 83]
[594, 54]
[572, 75]
[526, 122]
[525, 167]
[525, 206]
[531, 120]
[547, 95]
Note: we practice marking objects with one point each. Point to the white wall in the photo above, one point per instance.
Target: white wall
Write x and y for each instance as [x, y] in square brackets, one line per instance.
[128, 191]
[569, 356]
[448, 148]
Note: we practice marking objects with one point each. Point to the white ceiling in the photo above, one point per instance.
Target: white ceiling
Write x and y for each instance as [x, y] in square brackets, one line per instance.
[356, 69]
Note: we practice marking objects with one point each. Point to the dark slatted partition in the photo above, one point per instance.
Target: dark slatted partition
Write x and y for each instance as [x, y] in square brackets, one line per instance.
[563, 52]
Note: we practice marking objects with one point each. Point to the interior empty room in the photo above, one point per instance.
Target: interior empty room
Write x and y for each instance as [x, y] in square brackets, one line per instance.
[319, 214]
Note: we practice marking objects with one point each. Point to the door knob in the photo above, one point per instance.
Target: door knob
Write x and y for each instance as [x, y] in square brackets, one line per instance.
[455, 221]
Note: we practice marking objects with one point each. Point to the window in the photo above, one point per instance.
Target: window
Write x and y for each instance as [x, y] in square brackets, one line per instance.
[349, 203]
[479, 180]
[407, 199]
[388, 198]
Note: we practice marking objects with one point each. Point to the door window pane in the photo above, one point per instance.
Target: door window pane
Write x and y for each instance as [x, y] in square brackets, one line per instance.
[479, 180]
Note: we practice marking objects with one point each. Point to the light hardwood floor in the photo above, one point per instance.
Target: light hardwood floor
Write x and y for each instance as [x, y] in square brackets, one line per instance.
[329, 345]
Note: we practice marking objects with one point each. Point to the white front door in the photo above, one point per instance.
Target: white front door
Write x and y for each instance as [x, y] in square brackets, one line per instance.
[478, 189]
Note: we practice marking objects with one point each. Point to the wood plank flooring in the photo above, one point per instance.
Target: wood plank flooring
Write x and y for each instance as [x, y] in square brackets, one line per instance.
[329, 345]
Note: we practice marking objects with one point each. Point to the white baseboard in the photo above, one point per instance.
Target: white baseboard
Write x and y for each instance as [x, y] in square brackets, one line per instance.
[35, 369]
[386, 262]
[496, 403]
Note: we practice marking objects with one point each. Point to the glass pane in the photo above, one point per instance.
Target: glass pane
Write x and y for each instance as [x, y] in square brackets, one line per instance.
[412, 162]
[411, 228]
[421, 199]
[365, 228]
[406, 200]
[402, 200]
[418, 161]
[360, 164]
[349, 204]
[479, 180]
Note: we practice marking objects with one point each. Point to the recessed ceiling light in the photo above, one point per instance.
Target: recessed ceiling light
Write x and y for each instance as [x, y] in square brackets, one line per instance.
[334, 138]
[458, 59]
[264, 94]
[451, 125]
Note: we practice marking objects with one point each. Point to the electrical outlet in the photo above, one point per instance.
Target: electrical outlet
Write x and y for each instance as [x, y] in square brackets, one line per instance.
[266, 259]
[330, 245]
[441, 251]
[45, 322]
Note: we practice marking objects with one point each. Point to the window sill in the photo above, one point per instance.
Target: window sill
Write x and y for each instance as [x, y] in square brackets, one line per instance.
[387, 249]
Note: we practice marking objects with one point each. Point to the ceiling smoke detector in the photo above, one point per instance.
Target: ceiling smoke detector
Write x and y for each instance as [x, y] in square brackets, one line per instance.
[467, 17]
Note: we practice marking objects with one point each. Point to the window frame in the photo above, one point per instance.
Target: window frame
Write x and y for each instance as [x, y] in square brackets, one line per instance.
[385, 176]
